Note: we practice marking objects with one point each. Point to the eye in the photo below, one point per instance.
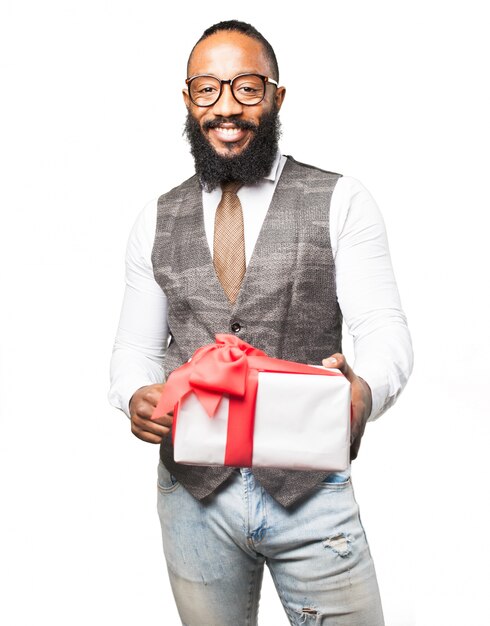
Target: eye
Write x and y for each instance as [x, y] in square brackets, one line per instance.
[205, 89]
[248, 89]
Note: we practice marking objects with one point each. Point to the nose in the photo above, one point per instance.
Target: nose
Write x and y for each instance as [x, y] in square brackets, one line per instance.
[227, 106]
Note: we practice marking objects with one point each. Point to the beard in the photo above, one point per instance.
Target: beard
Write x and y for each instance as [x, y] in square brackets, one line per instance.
[247, 167]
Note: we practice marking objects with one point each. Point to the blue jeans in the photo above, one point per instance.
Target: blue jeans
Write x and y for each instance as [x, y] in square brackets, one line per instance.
[317, 554]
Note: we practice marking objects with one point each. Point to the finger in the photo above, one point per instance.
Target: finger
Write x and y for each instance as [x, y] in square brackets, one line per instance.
[335, 360]
[164, 420]
[148, 437]
[145, 405]
[338, 361]
[153, 436]
[149, 426]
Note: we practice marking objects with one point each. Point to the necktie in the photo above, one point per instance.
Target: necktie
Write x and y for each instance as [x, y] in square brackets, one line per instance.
[229, 241]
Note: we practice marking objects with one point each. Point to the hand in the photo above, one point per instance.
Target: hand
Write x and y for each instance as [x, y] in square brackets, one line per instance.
[361, 400]
[141, 407]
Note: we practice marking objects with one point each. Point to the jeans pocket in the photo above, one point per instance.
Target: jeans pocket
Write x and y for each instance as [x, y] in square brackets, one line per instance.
[336, 480]
[166, 481]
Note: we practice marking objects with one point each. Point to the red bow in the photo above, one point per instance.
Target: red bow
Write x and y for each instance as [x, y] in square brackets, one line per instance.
[229, 366]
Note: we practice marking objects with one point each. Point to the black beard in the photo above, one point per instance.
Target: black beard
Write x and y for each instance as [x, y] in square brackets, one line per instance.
[248, 167]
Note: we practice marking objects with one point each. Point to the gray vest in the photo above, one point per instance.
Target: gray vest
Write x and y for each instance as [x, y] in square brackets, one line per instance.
[287, 305]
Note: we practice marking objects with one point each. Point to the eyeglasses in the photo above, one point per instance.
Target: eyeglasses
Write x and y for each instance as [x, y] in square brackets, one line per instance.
[249, 89]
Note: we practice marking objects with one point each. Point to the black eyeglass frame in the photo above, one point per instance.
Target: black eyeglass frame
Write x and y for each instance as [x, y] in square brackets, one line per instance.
[265, 79]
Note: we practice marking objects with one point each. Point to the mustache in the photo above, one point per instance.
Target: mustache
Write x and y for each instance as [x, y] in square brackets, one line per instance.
[242, 124]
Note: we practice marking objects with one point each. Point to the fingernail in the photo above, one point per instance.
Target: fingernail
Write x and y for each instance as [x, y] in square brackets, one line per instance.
[331, 360]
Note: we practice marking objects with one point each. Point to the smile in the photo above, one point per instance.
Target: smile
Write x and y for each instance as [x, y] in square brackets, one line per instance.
[228, 133]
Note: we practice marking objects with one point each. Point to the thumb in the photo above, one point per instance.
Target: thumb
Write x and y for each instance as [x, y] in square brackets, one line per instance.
[164, 420]
[338, 361]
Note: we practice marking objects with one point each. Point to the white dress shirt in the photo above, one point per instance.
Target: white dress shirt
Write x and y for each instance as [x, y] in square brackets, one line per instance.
[366, 291]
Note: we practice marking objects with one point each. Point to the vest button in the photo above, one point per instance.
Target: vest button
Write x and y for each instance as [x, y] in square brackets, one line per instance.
[236, 327]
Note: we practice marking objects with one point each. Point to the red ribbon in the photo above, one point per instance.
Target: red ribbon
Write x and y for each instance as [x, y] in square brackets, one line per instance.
[229, 366]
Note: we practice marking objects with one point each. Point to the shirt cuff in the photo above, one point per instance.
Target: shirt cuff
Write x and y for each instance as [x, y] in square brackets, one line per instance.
[379, 392]
[121, 393]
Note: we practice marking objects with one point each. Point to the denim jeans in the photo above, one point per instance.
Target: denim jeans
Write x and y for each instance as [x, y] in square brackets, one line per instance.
[317, 553]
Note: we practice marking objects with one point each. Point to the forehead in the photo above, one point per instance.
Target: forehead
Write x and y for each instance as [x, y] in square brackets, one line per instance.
[228, 53]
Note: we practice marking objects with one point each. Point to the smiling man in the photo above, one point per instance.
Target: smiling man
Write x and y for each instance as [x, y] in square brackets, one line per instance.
[278, 253]
[232, 124]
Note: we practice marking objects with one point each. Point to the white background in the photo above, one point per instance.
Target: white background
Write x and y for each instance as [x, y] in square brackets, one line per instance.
[393, 93]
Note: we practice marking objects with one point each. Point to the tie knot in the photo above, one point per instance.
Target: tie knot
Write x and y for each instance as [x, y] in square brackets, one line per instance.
[231, 187]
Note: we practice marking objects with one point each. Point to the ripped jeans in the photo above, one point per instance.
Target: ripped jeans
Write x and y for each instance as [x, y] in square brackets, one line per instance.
[317, 554]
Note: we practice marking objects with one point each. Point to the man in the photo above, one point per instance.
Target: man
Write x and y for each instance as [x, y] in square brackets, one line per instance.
[275, 252]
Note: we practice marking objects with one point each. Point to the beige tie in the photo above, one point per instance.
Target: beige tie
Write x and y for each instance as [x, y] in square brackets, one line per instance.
[229, 241]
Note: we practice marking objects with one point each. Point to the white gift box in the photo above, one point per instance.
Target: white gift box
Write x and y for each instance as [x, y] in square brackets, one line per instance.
[301, 422]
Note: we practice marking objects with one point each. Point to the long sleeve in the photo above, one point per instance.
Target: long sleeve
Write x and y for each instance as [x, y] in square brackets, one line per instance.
[368, 295]
[142, 334]
[366, 291]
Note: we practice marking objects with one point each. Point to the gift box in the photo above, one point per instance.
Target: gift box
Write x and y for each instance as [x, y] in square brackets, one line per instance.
[235, 406]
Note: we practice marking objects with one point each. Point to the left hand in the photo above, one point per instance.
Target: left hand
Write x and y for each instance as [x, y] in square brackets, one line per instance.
[361, 400]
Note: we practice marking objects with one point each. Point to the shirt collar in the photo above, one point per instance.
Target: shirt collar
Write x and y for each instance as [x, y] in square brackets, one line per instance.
[275, 167]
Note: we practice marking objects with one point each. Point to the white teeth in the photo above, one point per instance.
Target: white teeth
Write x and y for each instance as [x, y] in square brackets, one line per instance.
[229, 131]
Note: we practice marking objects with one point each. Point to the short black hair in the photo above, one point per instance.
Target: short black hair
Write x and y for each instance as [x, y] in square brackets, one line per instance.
[246, 29]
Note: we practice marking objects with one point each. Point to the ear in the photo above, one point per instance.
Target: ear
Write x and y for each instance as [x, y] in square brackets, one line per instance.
[279, 96]
[187, 100]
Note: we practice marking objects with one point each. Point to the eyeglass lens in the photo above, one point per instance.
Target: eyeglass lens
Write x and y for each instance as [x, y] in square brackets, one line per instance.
[247, 89]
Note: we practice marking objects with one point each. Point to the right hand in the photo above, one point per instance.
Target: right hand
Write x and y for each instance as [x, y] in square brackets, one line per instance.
[141, 407]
